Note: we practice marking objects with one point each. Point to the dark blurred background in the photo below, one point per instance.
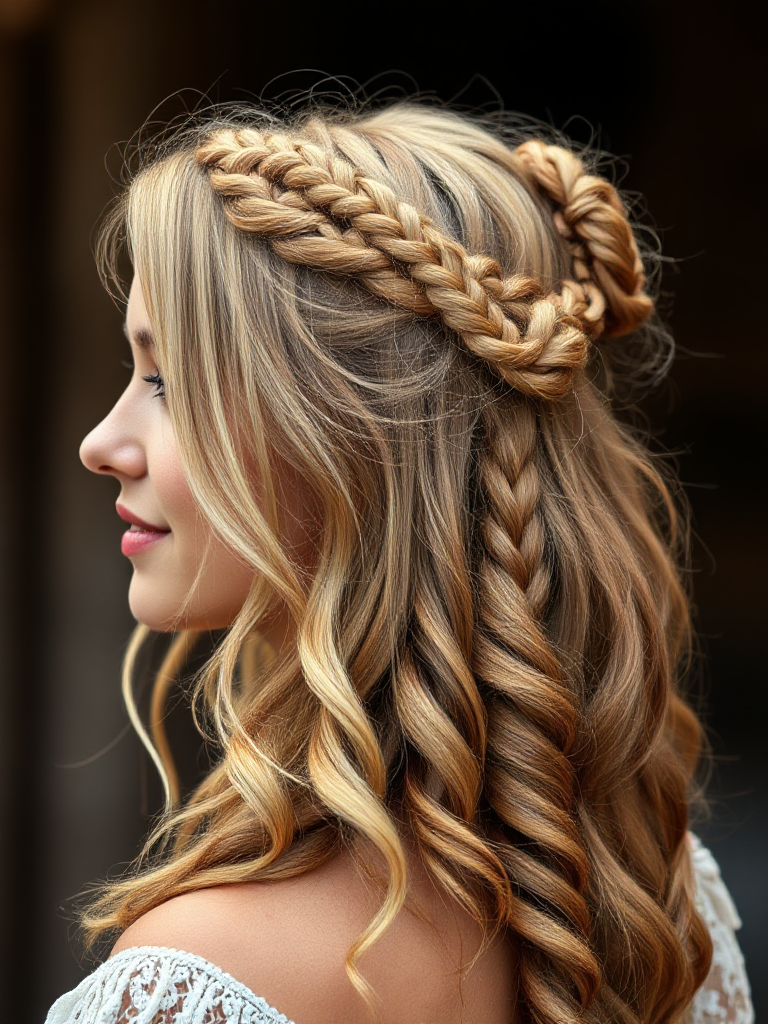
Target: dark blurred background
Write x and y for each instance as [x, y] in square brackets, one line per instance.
[674, 88]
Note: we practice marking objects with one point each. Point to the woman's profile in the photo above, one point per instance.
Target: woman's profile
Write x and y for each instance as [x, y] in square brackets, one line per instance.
[374, 483]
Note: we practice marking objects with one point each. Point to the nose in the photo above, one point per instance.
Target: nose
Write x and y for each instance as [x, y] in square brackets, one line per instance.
[113, 449]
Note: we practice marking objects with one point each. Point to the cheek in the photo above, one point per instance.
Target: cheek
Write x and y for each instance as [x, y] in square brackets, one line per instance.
[172, 489]
[198, 576]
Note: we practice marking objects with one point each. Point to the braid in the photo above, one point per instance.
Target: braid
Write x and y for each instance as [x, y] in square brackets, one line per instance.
[592, 219]
[532, 723]
[297, 196]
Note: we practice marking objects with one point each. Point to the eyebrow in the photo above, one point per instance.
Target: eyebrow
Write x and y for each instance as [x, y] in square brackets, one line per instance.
[143, 338]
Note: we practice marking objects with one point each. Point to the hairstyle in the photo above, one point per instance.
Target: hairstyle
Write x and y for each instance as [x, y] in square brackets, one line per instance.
[408, 305]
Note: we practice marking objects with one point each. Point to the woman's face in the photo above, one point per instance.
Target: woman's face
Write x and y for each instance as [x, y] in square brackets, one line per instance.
[166, 538]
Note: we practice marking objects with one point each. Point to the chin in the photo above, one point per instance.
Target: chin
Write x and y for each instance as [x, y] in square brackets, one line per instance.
[161, 612]
[166, 613]
[156, 620]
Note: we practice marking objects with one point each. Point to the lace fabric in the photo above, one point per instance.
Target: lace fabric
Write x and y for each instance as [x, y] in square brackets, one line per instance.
[157, 985]
[724, 998]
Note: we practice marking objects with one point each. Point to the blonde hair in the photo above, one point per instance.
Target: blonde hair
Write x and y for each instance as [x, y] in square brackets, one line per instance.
[405, 305]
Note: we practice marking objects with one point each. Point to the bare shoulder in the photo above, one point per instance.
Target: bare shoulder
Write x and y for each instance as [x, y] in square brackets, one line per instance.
[284, 939]
[231, 918]
[287, 940]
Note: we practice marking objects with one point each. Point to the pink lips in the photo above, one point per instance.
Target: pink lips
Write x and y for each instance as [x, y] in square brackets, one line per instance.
[141, 534]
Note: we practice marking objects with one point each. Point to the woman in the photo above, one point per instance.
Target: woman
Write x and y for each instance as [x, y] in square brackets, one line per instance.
[368, 442]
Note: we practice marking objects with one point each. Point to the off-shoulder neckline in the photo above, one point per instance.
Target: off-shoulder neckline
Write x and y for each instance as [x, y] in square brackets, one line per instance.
[193, 959]
[701, 855]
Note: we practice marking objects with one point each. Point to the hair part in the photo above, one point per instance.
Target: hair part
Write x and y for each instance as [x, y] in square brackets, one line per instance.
[404, 306]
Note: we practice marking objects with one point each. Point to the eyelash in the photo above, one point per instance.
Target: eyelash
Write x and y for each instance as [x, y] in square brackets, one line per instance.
[158, 382]
[151, 378]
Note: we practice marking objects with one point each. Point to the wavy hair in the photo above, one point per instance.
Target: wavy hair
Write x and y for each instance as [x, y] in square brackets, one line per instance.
[409, 306]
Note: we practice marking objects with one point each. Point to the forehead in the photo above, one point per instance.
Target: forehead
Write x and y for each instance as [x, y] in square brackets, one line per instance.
[136, 313]
[137, 326]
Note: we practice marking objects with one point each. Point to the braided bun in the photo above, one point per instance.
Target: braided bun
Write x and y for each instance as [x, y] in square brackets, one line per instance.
[318, 210]
[592, 218]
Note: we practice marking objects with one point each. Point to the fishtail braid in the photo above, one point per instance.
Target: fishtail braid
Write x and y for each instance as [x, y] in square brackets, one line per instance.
[532, 723]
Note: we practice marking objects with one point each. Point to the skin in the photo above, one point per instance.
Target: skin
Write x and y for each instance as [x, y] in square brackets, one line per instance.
[136, 445]
[286, 939]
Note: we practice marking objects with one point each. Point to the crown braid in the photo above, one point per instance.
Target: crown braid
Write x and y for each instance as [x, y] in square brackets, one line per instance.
[318, 210]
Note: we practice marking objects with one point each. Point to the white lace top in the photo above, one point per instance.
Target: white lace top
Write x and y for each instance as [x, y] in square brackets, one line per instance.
[156, 985]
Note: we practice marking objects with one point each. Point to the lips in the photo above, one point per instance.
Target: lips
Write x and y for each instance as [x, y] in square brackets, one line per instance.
[141, 534]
